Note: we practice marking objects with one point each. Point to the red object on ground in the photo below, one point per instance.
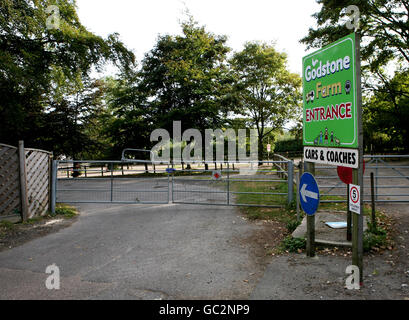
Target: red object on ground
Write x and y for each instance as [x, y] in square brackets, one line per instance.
[345, 174]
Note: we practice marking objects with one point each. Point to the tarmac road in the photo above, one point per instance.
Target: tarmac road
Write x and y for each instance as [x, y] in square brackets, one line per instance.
[168, 251]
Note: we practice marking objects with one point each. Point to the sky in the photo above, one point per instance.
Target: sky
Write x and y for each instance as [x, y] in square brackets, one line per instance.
[139, 22]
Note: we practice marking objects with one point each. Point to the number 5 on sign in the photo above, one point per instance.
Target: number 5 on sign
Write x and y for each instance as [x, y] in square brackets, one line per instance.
[354, 198]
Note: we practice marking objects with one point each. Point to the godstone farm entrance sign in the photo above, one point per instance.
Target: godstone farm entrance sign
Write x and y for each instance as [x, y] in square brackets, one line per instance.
[330, 105]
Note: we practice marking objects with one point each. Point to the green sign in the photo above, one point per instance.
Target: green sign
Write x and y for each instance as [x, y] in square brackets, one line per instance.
[330, 98]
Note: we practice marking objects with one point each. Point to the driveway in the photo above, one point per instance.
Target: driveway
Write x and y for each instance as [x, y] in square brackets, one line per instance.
[168, 251]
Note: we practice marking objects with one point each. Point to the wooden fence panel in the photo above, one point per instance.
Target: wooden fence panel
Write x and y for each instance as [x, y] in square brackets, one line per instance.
[37, 164]
[38, 183]
[9, 181]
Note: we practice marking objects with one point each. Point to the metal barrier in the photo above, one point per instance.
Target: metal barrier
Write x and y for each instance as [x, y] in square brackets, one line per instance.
[110, 182]
[235, 185]
[271, 185]
[261, 183]
[391, 180]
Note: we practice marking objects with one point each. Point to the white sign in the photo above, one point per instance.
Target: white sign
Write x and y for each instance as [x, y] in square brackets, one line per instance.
[269, 148]
[332, 156]
[355, 198]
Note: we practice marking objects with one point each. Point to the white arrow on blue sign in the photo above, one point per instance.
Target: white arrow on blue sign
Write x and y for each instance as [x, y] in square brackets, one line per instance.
[309, 193]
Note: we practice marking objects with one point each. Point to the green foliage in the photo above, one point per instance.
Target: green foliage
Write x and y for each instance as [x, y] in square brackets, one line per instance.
[183, 78]
[292, 225]
[291, 145]
[372, 240]
[186, 78]
[376, 230]
[42, 71]
[265, 91]
[291, 244]
[374, 236]
[7, 225]
[66, 211]
[386, 112]
[383, 25]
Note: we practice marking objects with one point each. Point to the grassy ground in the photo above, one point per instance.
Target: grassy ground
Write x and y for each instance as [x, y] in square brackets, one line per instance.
[284, 214]
[61, 211]
[376, 237]
[15, 234]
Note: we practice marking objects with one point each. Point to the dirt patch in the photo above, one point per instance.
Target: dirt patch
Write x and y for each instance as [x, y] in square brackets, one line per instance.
[386, 270]
[14, 235]
[264, 241]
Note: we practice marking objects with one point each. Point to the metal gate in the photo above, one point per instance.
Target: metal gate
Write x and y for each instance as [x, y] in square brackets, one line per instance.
[391, 180]
[264, 183]
[261, 183]
[110, 182]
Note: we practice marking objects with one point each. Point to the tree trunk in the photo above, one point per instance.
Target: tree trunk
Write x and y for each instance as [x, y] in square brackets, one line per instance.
[260, 151]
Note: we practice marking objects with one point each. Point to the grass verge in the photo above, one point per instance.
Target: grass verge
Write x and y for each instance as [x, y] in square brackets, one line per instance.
[61, 211]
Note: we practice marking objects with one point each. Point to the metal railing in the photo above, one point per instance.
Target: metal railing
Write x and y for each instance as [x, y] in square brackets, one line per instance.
[242, 183]
[76, 181]
[142, 181]
[261, 187]
[391, 180]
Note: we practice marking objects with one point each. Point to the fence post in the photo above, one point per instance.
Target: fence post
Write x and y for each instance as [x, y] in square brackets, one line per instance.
[290, 175]
[50, 179]
[373, 202]
[23, 181]
[310, 167]
[228, 183]
[376, 179]
[54, 172]
[112, 181]
[349, 218]
[298, 196]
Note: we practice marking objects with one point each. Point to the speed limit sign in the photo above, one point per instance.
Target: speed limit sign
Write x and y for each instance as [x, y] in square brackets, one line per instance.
[354, 198]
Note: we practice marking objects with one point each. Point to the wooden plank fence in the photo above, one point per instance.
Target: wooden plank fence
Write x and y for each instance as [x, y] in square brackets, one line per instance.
[24, 181]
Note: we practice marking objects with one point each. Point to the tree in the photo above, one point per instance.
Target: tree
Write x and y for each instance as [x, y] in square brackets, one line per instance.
[70, 110]
[266, 92]
[383, 25]
[387, 111]
[186, 78]
[127, 121]
[30, 52]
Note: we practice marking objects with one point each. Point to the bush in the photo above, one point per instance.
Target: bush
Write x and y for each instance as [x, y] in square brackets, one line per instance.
[293, 244]
[292, 225]
[291, 145]
[374, 237]
[372, 240]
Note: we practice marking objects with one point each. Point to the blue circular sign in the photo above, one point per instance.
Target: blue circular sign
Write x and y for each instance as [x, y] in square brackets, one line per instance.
[309, 193]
